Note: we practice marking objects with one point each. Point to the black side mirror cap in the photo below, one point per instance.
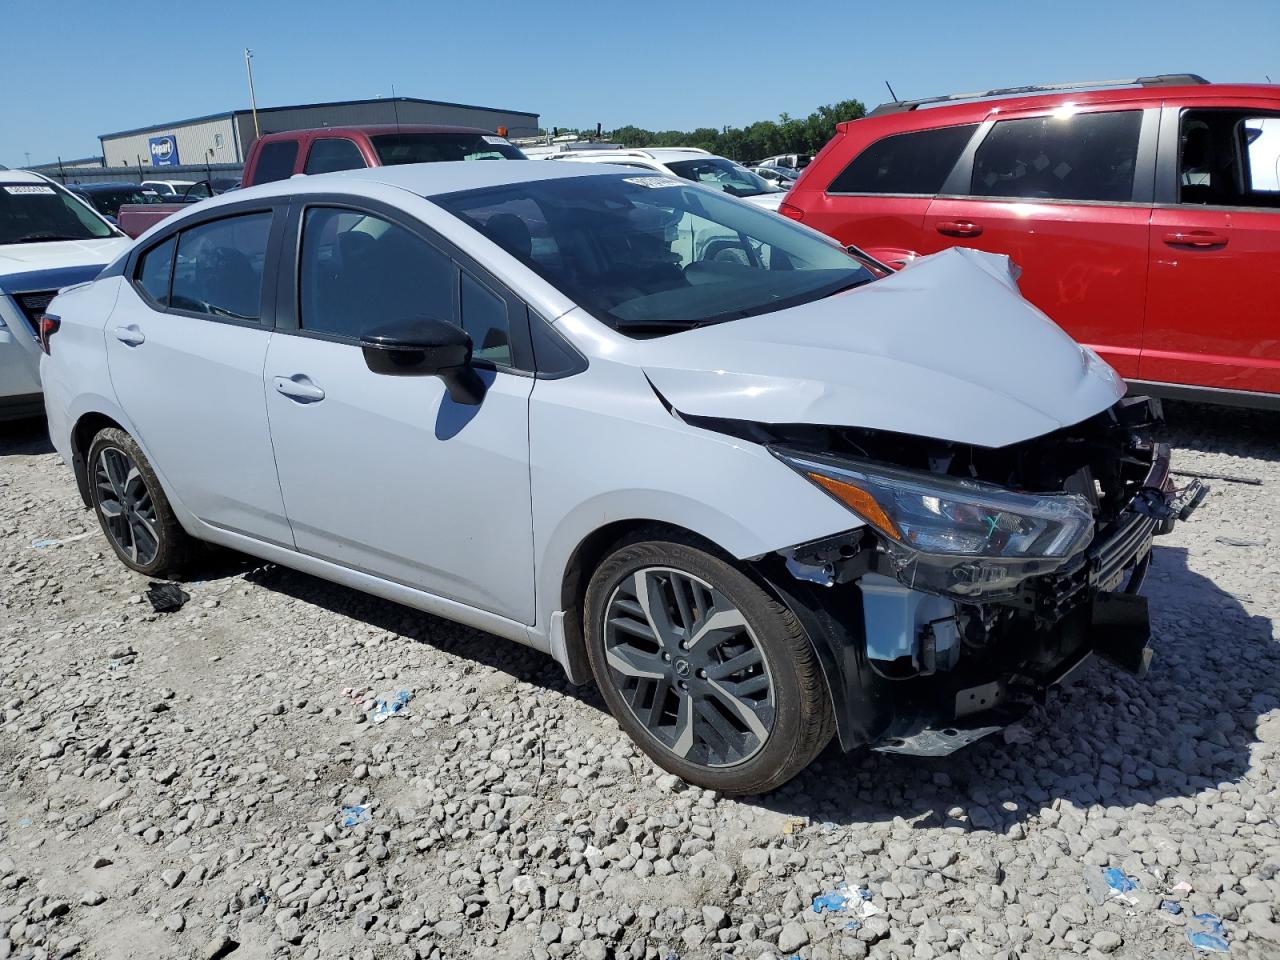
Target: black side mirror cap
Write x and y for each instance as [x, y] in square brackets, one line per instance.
[425, 348]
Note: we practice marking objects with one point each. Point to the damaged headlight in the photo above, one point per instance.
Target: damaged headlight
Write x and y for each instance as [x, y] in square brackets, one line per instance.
[950, 535]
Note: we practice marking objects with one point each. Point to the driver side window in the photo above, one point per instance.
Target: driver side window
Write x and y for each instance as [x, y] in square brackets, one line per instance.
[360, 272]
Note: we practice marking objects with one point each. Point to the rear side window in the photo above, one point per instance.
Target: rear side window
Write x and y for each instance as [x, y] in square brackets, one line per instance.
[360, 272]
[333, 153]
[275, 161]
[219, 267]
[905, 163]
[155, 270]
[1085, 156]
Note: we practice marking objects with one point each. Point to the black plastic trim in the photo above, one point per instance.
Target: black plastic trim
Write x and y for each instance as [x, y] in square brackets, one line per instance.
[1218, 395]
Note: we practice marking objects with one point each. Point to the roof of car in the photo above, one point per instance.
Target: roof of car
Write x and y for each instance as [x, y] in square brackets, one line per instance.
[374, 130]
[22, 176]
[104, 187]
[971, 110]
[660, 154]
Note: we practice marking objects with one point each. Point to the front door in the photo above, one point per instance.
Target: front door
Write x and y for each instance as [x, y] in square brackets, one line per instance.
[1067, 197]
[185, 348]
[387, 474]
[1213, 304]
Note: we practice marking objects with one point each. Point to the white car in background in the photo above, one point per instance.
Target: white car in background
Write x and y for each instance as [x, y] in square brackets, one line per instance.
[169, 188]
[761, 500]
[691, 163]
[49, 239]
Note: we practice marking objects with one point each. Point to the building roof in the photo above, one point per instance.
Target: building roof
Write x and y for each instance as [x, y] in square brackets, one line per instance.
[229, 114]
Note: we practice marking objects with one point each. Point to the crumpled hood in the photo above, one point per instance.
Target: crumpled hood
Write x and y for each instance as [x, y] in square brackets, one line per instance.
[25, 257]
[947, 348]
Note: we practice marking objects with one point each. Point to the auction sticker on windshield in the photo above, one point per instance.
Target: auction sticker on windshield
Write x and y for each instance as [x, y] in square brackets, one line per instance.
[497, 140]
[18, 191]
[654, 181]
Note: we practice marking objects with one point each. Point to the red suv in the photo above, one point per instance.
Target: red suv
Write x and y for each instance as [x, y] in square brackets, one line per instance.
[278, 156]
[1146, 219]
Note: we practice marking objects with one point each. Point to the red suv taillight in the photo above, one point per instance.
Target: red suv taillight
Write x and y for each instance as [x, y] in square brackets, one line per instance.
[46, 326]
[791, 210]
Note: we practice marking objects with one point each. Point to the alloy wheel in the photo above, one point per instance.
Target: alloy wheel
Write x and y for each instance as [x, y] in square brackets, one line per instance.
[689, 667]
[127, 509]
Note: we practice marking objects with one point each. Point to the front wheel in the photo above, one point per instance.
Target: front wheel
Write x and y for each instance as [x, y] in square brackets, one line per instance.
[709, 674]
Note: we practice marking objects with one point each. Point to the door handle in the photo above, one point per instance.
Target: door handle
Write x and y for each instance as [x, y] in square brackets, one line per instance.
[299, 387]
[130, 335]
[1195, 238]
[959, 228]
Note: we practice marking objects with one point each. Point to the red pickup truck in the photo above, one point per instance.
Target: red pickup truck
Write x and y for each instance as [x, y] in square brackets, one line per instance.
[278, 156]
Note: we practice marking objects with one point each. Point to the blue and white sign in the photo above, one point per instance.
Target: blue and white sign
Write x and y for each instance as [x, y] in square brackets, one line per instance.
[164, 151]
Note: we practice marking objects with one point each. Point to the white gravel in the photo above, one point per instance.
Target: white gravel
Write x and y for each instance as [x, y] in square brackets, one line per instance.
[173, 785]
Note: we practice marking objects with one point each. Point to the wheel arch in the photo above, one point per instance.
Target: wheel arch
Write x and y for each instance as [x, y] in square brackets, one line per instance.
[86, 428]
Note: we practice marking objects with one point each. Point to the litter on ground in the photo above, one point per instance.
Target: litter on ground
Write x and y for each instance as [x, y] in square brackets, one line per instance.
[389, 705]
[1206, 933]
[166, 597]
[42, 543]
[355, 815]
[1171, 906]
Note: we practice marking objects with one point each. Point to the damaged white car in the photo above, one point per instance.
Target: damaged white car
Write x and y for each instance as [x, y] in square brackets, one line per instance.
[756, 487]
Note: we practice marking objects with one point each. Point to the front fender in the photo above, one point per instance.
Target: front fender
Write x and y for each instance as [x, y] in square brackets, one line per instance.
[646, 464]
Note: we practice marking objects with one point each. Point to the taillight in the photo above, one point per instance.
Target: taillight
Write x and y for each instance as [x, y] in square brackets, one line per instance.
[47, 325]
[791, 210]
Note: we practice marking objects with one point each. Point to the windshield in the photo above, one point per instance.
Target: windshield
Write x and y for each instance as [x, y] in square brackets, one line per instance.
[649, 254]
[395, 148]
[723, 174]
[33, 213]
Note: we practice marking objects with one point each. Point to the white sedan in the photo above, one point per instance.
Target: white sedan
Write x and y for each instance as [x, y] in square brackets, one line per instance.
[758, 490]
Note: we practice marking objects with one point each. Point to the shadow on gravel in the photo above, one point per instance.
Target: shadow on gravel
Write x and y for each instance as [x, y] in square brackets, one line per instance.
[24, 437]
[1107, 739]
[1229, 430]
[520, 662]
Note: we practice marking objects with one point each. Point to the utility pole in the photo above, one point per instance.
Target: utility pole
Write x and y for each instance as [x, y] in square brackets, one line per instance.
[28, 153]
[253, 100]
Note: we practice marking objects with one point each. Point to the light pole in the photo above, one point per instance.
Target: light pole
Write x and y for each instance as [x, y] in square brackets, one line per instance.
[253, 100]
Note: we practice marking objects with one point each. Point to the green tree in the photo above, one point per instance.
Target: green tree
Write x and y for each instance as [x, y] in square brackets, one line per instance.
[758, 140]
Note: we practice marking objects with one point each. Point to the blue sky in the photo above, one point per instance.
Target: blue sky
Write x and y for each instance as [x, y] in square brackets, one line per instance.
[105, 67]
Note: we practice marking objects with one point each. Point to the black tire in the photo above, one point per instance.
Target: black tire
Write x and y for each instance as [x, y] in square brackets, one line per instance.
[798, 707]
[148, 509]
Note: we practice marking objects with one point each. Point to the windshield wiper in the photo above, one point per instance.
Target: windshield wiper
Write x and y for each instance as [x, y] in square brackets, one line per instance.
[44, 237]
[658, 324]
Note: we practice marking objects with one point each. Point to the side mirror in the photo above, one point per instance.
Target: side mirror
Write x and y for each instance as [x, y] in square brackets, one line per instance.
[425, 348]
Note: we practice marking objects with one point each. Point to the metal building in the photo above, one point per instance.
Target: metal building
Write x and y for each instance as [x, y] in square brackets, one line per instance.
[226, 137]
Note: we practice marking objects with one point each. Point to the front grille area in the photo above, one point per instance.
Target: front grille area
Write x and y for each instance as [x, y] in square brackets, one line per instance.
[32, 305]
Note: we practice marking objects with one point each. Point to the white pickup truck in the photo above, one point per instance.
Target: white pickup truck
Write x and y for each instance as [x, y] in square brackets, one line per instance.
[49, 239]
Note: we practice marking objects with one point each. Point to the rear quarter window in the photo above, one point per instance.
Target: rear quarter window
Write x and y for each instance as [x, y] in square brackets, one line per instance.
[275, 161]
[915, 163]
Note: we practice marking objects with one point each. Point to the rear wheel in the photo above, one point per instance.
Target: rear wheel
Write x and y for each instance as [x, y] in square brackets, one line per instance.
[132, 509]
[709, 674]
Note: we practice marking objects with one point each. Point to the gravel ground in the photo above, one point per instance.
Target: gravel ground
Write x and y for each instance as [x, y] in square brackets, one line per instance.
[174, 784]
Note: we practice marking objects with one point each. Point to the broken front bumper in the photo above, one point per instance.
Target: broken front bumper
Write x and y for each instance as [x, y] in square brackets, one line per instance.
[931, 703]
[1091, 608]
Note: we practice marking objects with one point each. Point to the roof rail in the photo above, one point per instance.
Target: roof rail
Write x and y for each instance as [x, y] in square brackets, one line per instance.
[1159, 80]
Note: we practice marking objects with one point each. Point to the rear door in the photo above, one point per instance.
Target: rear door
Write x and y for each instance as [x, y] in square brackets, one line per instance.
[1213, 309]
[185, 348]
[879, 200]
[1067, 195]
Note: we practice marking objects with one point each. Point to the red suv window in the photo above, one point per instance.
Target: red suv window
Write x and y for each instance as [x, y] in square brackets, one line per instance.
[914, 164]
[1086, 156]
